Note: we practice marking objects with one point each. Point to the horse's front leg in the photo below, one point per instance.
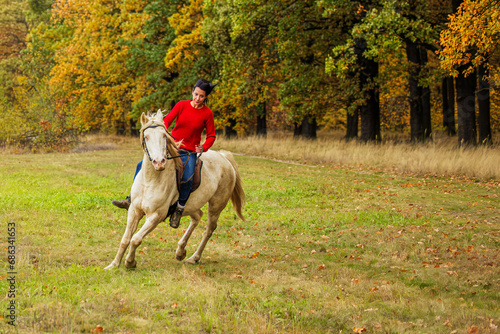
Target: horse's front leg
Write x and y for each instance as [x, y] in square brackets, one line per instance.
[180, 254]
[150, 224]
[133, 218]
[209, 230]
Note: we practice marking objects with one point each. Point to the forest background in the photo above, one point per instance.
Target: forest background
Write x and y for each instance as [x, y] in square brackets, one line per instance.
[69, 67]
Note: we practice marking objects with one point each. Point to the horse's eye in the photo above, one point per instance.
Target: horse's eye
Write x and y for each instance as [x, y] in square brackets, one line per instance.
[146, 137]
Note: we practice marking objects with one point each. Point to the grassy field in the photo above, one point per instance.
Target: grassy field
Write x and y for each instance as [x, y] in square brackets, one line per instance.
[326, 248]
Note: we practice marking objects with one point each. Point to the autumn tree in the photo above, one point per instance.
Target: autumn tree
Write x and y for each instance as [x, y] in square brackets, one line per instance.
[469, 41]
[147, 59]
[189, 55]
[238, 33]
[381, 29]
[353, 61]
[25, 97]
[305, 39]
[274, 51]
[91, 77]
[14, 27]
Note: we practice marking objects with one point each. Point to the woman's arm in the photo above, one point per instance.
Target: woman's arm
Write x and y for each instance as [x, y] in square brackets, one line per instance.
[210, 129]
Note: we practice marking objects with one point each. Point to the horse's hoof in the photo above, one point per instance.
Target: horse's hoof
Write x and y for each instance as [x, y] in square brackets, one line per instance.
[111, 267]
[192, 260]
[180, 256]
[132, 265]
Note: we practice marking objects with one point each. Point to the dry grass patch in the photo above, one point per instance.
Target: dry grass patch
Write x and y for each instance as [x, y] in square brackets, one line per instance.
[442, 156]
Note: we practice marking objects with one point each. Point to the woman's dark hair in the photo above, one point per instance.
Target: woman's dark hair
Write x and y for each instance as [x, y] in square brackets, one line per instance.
[204, 85]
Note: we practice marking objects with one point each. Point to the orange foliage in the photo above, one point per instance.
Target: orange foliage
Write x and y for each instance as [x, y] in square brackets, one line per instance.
[472, 35]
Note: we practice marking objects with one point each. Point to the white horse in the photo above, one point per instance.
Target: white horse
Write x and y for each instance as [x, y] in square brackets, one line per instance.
[154, 190]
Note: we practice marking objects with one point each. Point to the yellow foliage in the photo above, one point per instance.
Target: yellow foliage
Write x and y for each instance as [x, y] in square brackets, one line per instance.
[188, 43]
[91, 74]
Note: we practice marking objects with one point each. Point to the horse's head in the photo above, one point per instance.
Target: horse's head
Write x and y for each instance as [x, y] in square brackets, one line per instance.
[154, 139]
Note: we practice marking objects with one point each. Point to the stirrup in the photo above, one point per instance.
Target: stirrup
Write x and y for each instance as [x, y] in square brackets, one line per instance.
[176, 217]
[123, 204]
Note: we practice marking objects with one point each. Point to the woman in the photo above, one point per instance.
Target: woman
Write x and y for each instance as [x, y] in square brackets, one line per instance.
[192, 117]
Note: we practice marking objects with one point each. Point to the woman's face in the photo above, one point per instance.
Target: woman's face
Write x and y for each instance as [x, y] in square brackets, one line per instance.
[199, 97]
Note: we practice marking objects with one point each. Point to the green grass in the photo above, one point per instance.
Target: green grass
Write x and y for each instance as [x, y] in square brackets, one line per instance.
[323, 250]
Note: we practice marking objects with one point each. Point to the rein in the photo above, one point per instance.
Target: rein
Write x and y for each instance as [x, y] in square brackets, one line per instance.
[180, 155]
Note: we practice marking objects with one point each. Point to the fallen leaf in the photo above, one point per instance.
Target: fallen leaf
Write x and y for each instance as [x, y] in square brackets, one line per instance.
[472, 330]
[493, 327]
[359, 330]
[97, 329]
[254, 255]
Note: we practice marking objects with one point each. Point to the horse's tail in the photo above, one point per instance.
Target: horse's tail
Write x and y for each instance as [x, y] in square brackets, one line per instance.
[238, 195]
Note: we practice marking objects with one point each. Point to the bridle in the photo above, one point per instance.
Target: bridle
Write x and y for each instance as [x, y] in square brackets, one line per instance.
[150, 125]
[154, 124]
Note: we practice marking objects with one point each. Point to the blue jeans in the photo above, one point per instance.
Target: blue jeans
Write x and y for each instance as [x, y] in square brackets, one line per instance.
[137, 169]
[189, 162]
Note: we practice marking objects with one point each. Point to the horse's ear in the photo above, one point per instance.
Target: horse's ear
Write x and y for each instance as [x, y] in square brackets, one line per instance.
[159, 115]
[144, 119]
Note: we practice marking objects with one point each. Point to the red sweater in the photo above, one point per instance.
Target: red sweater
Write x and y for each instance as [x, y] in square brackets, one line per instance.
[190, 125]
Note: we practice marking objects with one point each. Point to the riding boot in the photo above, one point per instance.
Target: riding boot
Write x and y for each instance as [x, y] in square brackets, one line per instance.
[123, 204]
[176, 216]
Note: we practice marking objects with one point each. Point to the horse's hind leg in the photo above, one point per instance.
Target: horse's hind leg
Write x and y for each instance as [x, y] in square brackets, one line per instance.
[180, 254]
[150, 224]
[133, 219]
[209, 230]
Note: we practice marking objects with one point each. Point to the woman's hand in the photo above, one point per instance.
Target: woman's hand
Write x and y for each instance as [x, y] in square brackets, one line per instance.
[199, 149]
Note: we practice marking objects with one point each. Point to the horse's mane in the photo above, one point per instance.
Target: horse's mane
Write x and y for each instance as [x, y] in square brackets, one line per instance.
[173, 147]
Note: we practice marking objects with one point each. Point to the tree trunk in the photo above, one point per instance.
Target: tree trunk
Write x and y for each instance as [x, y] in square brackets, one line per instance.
[133, 128]
[420, 103]
[466, 107]
[352, 125]
[229, 131]
[425, 97]
[261, 120]
[370, 111]
[416, 118]
[370, 118]
[449, 106]
[483, 102]
[306, 129]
